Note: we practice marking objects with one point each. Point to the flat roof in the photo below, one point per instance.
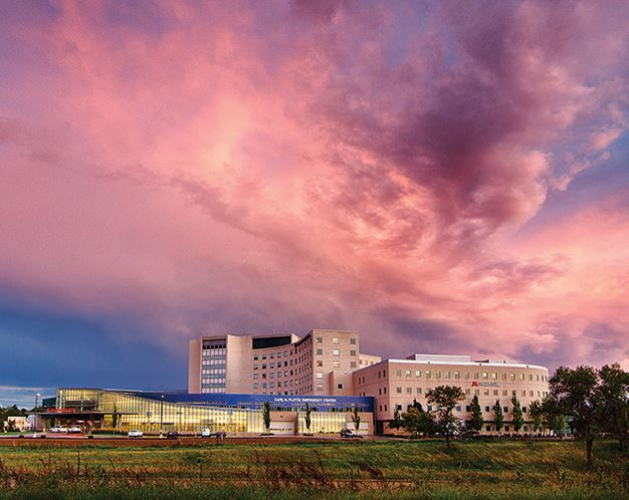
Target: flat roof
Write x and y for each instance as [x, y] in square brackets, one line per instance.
[502, 364]
[249, 401]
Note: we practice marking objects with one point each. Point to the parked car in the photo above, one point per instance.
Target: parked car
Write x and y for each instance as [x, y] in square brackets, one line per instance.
[75, 429]
[60, 429]
[135, 434]
[206, 433]
[54, 429]
[172, 435]
[346, 433]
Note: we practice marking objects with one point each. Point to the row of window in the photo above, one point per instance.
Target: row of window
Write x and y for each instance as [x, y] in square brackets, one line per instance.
[486, 392]
[456, 375]
[337, 340]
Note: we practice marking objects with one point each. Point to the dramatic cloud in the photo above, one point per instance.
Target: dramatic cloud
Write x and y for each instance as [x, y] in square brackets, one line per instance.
[436, 175]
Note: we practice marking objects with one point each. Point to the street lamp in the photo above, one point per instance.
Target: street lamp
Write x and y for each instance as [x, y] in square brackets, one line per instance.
[35, 409]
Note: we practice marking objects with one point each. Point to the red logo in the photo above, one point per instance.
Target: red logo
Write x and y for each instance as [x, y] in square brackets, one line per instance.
[474, 384]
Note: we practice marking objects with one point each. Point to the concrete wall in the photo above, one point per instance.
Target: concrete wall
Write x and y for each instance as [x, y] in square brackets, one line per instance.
[194, 366]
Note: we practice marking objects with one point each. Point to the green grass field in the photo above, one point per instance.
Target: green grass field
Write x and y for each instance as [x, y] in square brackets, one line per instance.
[363, 469]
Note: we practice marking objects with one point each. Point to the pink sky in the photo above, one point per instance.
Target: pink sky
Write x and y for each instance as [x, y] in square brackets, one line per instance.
[441, 176]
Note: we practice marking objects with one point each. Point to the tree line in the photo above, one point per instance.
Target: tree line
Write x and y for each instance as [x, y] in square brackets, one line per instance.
[591, 402]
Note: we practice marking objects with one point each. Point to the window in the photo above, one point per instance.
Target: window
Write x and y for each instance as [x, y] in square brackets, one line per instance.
[409, 390]
[352, 353]
[336, 352]
[495, 392]
[428, 374]
[319, 363]
[399, 390]
[468, 408]
[272, 365]
[352, 341]
[337, 364]
[419, 390]
[488, 428]
[429, 407]
[353, 364]
[418, 373]
[458, 408]
[255, 376]
[335, 340]
[524, 410]
[457, 375]
[319, 340]
[340, 386]
[255, 385]
[398, 373]
[319, 375]
[255, 358]
[486, 408]
[506, 409]
[494, 375]
[484, 375]
[319, 352]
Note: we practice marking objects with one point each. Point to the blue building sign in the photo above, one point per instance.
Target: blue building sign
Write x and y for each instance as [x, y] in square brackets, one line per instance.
[256, 401]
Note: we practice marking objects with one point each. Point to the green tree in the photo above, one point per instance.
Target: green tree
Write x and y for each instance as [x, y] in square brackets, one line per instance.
[575, 392]
[446, 397]
[356, 418]
[308, 417]
[114, 418]
[396, 423]
[266, 416]
[537, 414]
[418, 422]
[517, 415]
[476, 421]
[614, 393]
[499, 418]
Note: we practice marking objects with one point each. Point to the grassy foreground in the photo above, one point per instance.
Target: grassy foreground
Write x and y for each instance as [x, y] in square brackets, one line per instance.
[369, 469]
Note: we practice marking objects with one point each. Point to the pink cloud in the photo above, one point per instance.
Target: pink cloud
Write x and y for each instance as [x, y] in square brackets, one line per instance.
[221, 167]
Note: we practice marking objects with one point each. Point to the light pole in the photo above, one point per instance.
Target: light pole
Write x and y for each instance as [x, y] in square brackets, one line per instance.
[35, 410]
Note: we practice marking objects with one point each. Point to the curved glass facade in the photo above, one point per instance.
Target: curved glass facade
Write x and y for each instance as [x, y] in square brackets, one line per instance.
[190, 413]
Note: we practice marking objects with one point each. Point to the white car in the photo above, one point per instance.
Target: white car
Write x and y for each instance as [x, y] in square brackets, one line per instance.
[58, 428]
[135, 434]
[75, 429]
